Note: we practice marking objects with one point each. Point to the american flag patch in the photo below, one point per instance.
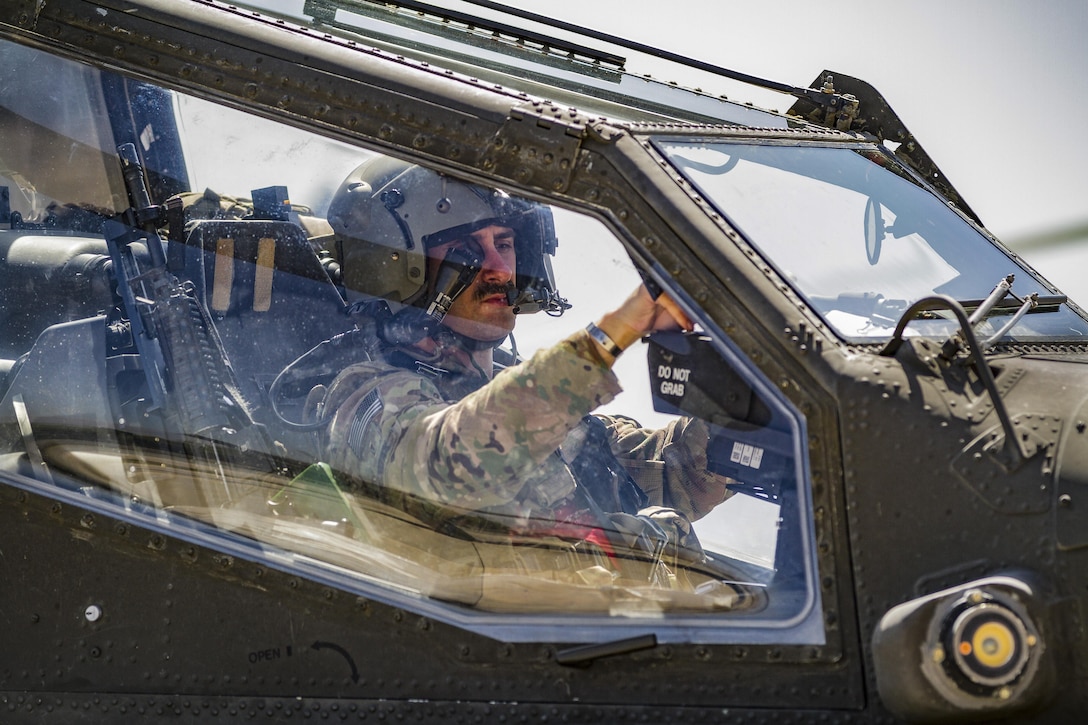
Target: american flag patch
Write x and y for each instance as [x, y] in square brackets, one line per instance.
[365, 413]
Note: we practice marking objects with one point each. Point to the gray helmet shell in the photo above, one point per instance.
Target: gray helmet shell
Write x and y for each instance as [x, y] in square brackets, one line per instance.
[387, 212]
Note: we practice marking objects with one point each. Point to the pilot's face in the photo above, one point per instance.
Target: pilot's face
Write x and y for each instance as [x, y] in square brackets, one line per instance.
[481, 311]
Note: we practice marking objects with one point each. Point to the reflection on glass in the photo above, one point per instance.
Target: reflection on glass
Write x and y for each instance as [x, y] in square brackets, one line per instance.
[858, 239]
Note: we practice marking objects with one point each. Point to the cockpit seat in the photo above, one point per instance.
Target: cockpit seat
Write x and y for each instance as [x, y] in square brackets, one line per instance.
[268, 295]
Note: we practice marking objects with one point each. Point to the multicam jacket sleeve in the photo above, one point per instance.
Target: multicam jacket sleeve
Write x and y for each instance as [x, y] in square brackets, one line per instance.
[492, 448]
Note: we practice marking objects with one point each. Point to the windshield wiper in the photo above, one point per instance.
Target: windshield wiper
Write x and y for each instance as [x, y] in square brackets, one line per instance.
[1045, 303]
[1002, 300]
[1000, 291]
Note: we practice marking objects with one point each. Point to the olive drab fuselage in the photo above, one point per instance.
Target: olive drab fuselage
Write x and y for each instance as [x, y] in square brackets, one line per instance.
[880, 416]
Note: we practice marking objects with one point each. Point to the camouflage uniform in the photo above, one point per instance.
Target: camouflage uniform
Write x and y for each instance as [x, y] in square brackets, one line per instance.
[502, 446]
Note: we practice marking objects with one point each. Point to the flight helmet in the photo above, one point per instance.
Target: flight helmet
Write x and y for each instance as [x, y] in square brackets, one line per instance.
[388, 212]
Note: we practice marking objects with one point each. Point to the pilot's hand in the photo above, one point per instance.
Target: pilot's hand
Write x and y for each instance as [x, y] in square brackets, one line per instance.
[640, 315]
[683, 544]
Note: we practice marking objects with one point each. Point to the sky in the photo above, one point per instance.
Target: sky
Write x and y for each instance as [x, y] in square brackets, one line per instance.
[992, 89]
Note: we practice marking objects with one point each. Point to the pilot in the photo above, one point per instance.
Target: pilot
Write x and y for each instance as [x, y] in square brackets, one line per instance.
[439, 417]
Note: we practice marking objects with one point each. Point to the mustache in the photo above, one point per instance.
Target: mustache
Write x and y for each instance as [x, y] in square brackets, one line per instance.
[484, 290]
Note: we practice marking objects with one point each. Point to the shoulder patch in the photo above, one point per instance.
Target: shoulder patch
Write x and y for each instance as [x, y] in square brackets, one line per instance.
[367, 410]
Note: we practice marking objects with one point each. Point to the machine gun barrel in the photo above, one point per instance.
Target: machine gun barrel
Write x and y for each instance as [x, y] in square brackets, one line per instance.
[180, 353]
[145, 215]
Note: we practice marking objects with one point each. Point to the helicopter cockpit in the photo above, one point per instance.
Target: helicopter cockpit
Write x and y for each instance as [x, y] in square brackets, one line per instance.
[153, 304]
